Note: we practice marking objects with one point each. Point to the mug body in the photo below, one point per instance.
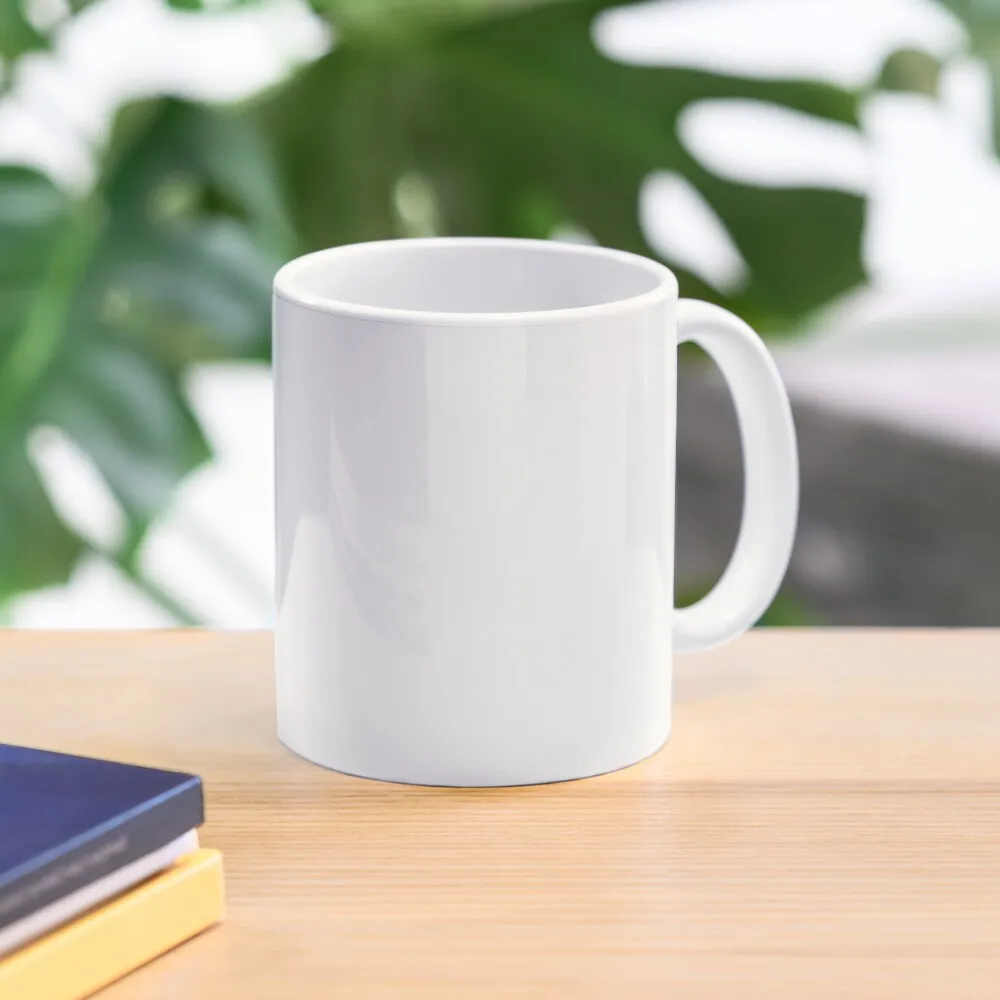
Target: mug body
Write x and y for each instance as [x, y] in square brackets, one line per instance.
[474, 489]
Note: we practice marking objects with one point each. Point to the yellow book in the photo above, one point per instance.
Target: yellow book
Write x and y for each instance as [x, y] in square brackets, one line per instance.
[109, 942]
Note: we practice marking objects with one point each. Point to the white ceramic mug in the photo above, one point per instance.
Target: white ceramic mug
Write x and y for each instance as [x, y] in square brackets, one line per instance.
[475, 506]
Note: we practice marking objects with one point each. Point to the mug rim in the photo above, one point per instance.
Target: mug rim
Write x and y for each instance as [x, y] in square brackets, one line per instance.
[284, 284]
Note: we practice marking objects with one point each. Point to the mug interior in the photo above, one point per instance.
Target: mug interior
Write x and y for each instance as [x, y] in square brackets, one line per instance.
[463, 276]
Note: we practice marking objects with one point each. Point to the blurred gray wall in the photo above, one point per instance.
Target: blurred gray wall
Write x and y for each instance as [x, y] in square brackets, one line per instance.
[895, 529]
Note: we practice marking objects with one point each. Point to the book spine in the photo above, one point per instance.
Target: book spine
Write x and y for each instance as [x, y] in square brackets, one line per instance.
[108, 848]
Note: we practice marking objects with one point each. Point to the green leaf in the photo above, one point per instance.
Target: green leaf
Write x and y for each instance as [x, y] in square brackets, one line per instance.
[516, 120]
[196, 233]
[17, 34]
[336, 133]
[802, 246]
[107, 301]
[36, 549]
[32, 214]
[912, 71]
[130, 415]
[36, 230]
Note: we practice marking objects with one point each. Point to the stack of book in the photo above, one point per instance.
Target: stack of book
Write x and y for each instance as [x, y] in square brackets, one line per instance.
[100, 871]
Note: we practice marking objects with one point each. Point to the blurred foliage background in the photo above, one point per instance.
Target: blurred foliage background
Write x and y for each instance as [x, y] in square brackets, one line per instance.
[425, 117]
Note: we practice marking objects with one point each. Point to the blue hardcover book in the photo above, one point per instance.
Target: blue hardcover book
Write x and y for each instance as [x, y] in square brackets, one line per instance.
[67, 821]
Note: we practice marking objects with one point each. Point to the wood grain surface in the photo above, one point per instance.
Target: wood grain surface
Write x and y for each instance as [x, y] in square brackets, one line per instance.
[824, 822]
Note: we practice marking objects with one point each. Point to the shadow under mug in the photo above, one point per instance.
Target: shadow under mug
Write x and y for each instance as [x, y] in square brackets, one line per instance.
[475, 493]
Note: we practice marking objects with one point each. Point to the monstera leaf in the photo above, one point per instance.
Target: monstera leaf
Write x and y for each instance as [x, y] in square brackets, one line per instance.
[105, 302]
[512, 122]
[490, 116]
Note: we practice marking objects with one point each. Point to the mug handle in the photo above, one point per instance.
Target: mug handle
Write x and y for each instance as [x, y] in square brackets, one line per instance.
[771, 476]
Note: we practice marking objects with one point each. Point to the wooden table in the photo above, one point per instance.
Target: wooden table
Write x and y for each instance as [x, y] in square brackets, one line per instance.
[824, 822]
